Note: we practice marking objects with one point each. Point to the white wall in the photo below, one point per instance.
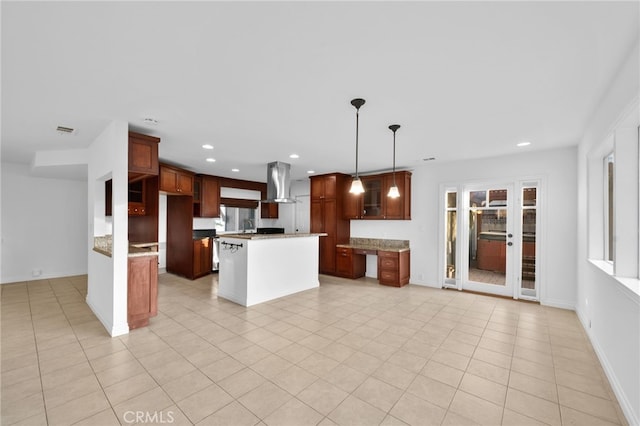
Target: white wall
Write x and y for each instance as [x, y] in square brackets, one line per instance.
[608, 309]
[107, 276]
[44, 223]
[558, 170]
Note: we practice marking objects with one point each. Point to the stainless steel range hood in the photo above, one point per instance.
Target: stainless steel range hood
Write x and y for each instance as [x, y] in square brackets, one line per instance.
[279, 183]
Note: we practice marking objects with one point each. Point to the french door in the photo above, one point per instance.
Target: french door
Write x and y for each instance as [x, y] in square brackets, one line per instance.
[490, 238]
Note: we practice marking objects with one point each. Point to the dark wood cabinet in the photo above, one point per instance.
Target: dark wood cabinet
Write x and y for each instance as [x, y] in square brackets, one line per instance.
[206, 196]
[143, 155]
[176, 181]
[349, 264]
[375, 204]
[491, 255]
[269, 210]
[202, 257]
[394, 267]
[373, 199]
[136, 198]
[142, 292]
[398, 208]
[327, 198]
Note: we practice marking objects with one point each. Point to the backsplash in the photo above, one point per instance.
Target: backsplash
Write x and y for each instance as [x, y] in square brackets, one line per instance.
[380, 243]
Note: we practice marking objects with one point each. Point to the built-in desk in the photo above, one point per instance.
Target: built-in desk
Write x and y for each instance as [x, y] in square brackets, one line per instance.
[393, 259]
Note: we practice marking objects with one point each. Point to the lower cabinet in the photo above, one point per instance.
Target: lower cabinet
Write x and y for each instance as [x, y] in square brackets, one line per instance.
[142, 292]
[348, 264]
[202, 257]
[393, 268]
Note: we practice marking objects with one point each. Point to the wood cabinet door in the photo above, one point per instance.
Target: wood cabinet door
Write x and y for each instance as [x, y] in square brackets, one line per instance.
[202, 257]
[142, 293]
[185, 183]
[330, 217]
[317, 217]
[324, 187]
[143, 154]
[317, 187]
[327, 255]
[209, 197]
[372, 199]
[269, 210]
[394, 207]
[352, 205]
[168, 179]
[344, 262]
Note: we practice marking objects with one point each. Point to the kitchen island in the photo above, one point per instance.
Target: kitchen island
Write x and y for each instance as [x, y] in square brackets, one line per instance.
[256, 268]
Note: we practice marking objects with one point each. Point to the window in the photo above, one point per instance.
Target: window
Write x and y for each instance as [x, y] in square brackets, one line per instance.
[609, 213]
[236, 219]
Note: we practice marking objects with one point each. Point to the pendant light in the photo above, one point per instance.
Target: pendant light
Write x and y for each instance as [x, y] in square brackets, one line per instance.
[393, 191]
[356, 184]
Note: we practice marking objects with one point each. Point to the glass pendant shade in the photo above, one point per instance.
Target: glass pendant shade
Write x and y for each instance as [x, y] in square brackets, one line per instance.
[357, 187]
[393, 191]
[356, 184]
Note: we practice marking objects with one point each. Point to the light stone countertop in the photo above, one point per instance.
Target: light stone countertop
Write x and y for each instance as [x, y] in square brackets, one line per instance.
[376, 244]
[104, 245]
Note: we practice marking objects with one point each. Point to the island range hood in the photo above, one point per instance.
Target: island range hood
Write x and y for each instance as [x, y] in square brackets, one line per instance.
[279, 183]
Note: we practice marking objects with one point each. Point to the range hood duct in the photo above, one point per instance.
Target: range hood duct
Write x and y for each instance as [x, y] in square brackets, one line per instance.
[279, 183]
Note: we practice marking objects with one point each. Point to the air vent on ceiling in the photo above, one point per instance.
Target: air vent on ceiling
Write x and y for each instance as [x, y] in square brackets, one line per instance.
[65, 130]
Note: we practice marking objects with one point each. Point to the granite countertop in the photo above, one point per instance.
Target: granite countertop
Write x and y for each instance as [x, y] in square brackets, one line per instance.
[104, 245]
[252, 236]
[375, 244]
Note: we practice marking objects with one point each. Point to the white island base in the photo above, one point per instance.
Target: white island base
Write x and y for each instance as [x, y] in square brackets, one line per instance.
[258, 268]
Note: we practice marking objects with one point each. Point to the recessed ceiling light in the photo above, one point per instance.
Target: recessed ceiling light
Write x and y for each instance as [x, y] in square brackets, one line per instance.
[211, 160]
[207, 146]
[150, 120]
[311, 171]
[524, 143]
[235, 170]
[294, 156]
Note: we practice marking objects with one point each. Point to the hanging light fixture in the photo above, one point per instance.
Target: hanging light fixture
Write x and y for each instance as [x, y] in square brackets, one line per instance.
[393, 191]
[356, 184]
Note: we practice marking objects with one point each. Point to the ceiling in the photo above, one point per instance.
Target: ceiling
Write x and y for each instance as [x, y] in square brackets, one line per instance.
[262, 80]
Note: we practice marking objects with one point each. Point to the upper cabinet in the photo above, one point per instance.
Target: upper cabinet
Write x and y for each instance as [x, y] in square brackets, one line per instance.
[375, 204]
[269, 210]
[176, 181]
[206, 196]
[143, 155]
[324, 186]
[398, 208]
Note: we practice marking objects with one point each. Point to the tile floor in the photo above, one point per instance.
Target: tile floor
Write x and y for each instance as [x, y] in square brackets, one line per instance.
[348, 353]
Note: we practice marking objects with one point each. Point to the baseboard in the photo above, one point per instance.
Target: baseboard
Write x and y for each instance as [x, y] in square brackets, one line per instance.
[626, 407]
[558, 304]
[24, 278]
[113, 330]
[424, 284]
[162, 270]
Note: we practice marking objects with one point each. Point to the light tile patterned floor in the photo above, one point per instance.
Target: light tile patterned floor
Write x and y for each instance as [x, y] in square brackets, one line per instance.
[348, 353]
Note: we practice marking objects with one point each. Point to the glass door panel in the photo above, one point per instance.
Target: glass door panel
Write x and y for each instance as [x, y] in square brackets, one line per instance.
[489, 241]
[451, 233]
[528, 266]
